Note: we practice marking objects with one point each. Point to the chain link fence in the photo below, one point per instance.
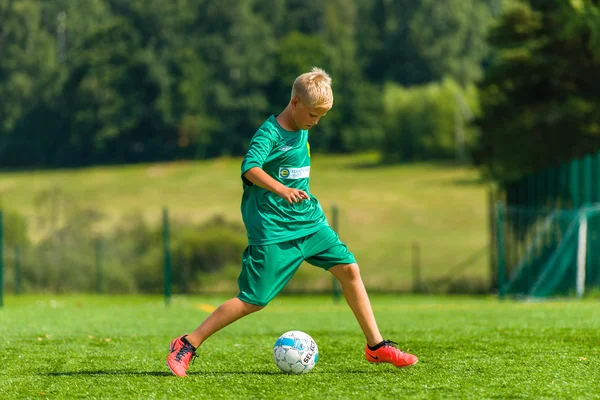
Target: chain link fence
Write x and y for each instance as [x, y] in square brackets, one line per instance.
[65, 248]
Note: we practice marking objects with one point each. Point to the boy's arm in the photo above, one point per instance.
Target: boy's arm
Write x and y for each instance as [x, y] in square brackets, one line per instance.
[260, 178]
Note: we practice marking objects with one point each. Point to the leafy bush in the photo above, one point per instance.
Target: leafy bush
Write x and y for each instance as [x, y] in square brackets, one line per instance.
[196, 250]
[206, 249]
[423, 122]
[73, 252]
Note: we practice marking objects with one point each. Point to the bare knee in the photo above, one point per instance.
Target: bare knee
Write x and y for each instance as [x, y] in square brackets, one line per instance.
[250, 308]
[346, 272]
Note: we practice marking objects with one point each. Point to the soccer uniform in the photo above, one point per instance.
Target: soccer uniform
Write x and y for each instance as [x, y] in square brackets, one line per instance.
[282, 235]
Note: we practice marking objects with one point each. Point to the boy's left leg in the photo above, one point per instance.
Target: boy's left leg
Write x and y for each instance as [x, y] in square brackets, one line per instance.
[325, 250]
[377, 349]
[358, 300]
[265, 271]
[227, 313]
[183, 348]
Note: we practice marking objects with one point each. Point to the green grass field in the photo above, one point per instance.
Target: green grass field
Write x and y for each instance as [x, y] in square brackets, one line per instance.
[383, 210]
[469, 348]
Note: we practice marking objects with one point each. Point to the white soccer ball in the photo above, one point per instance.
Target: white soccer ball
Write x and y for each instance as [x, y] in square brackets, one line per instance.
[295, 352]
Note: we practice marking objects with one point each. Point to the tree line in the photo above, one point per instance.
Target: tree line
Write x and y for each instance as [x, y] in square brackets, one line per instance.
[510, 85]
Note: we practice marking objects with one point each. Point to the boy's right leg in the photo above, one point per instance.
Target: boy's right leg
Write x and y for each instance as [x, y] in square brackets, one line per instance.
[377, 350]
[265, 271]
[227, 313]
[325, 250]
[183, 348]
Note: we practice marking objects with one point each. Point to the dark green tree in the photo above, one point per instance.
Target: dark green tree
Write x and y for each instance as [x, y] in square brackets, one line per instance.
[418, 41]
[451, 37]
[541, 94]
[27, 74]
[113, 100]
[238, 47]
[296, 53]
[195, 78]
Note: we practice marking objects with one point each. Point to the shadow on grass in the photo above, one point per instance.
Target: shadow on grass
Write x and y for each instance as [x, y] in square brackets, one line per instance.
[154, 373]
[108, 372]
[205, 373]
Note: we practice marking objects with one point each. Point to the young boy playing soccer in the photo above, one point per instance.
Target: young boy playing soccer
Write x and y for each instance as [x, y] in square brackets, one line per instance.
[286, 226]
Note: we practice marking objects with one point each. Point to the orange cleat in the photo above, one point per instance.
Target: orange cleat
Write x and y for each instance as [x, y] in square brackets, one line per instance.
[388, 352]
[180, 355]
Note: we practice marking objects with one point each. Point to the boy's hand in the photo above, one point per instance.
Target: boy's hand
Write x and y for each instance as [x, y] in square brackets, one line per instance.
[259, 177]
[292, 195]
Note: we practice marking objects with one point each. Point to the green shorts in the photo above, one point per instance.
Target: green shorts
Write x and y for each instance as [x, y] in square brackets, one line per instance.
[267, 269]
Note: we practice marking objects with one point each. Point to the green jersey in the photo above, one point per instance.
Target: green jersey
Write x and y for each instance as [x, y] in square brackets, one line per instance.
[284, 156]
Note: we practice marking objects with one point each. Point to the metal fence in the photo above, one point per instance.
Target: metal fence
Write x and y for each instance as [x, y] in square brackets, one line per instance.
[74, 252]
[534, 217]
[569, 185]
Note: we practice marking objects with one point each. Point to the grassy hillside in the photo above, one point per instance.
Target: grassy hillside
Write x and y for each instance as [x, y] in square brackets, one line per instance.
[383, 209]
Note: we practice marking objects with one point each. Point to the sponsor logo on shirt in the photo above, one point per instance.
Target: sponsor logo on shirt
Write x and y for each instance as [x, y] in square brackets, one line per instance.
[294, 173]
[285, 148]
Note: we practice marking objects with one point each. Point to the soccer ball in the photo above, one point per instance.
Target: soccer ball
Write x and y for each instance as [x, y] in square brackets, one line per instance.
[295, 352]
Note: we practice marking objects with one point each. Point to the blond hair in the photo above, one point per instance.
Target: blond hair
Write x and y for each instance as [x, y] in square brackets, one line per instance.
[314, 88]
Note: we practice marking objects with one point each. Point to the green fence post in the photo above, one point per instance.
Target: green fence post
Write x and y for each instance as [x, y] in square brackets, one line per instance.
[518, 220]
[500, 250]
[1, 262]
[597, 180]
[552, 183]
[492, 238]
[587, 180]
[17, 270]
[540, 189]
[587, 200]
[167, 255]
[99, 266]
[531, 190]
[563, 184]
[335, 283]
[574, 186]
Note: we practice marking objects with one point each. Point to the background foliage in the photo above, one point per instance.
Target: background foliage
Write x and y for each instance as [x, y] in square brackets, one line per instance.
[541, 93]
[120, 81]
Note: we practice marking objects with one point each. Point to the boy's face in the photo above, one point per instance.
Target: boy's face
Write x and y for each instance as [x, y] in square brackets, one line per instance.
[305, 117]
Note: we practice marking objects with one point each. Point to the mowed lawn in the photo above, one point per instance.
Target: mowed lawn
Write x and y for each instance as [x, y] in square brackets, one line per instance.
[87, 347]
[385, 212]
